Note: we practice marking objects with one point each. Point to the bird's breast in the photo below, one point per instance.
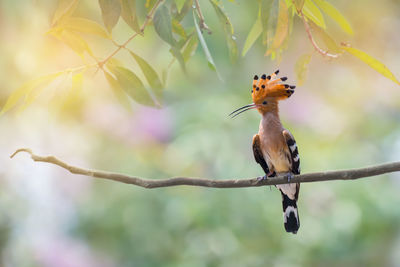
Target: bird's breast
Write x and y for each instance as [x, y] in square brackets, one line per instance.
[273, 143]
[275, 152]
[277, 160]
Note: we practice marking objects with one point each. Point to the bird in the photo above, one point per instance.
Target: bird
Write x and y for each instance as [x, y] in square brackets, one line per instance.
[274, 147]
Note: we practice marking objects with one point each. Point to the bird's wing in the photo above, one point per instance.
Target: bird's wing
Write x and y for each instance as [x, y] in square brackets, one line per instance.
[294, 156]
[294, 152]
[258, 156]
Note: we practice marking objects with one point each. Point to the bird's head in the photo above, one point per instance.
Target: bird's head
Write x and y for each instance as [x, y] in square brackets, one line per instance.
[266, 92]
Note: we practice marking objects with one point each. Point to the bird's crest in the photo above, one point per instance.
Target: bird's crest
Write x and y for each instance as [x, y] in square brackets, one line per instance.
[270, 86]
[266, 92]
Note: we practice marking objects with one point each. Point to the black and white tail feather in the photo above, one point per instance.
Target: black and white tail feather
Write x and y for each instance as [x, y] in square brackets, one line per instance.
[291, 219]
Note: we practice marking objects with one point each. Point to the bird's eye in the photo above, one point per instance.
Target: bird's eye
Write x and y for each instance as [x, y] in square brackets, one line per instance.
[265, 102]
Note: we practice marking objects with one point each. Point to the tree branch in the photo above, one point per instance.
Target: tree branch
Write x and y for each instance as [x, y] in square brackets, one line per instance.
[232, 183]
[202, 23]
[315, 45]
[145, 23]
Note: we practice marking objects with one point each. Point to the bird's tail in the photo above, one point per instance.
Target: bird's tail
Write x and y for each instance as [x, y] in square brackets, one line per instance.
[291, 219]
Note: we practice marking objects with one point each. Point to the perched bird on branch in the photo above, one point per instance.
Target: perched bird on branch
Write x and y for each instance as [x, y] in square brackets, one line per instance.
[274, 147]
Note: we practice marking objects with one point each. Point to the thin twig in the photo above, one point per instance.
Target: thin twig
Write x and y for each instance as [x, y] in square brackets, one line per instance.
[202, 23]
[309, 34]
[145, 23]
[232, 183]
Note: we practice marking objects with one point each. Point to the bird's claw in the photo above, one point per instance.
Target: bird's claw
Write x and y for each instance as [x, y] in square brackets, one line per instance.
[289, 176]
[262, 178]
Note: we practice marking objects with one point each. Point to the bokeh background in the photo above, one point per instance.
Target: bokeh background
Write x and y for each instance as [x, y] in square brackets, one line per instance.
[345, 115]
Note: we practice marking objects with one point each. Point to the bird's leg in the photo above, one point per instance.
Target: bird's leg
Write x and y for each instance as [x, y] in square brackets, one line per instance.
[262, 178]
[265, 177]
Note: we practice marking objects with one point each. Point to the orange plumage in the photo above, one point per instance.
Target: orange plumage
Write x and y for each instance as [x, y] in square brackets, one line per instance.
[268, 88]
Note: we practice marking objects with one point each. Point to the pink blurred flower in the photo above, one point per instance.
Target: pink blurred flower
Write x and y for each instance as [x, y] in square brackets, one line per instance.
[143, 125]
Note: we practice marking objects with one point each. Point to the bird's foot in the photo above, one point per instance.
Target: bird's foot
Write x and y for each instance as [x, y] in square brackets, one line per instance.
[289, 176]
[265, 177]
[262, 178]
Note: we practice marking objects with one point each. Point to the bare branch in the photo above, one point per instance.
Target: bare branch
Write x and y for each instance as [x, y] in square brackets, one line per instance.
[232, 183]
[309, 34]
[202, 23]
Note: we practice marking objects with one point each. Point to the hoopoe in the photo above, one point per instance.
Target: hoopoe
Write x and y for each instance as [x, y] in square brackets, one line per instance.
[274, 147]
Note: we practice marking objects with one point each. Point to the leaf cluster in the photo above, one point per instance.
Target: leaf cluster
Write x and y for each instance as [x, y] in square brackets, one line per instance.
[273, 24]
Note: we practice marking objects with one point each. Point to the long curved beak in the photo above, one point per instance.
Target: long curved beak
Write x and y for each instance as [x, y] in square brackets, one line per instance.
[242, 109]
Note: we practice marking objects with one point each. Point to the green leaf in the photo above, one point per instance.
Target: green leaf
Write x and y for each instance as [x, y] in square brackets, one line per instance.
[180, 4]
[132, 85]
[117, 90]
[329, 42]
[163, 25]
[372, 62]
[292, 11]
[26, 89]
[151, 76]
[113, 62]
[164, 75]
[178, 28]
[211, 66]
[269, 15]
[110, 11]
[335, 14]
[65, 8]
[301, 68]
[203, 44]
[73, 99]
[149, 4]
[263, 12]
[180, 44]
[254, 34]
[190, 47]
[75, 42]
[129, 15]
[282, 26]
[85, 26]
[228, 29]
[185, 9]
[312, 12]
[299, 5]
[178, 56]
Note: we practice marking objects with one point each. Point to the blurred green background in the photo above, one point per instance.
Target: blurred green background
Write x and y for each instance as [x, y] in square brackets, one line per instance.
[344, 116]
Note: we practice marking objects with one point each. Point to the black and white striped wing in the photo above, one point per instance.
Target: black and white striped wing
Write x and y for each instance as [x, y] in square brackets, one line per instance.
[294, 152]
